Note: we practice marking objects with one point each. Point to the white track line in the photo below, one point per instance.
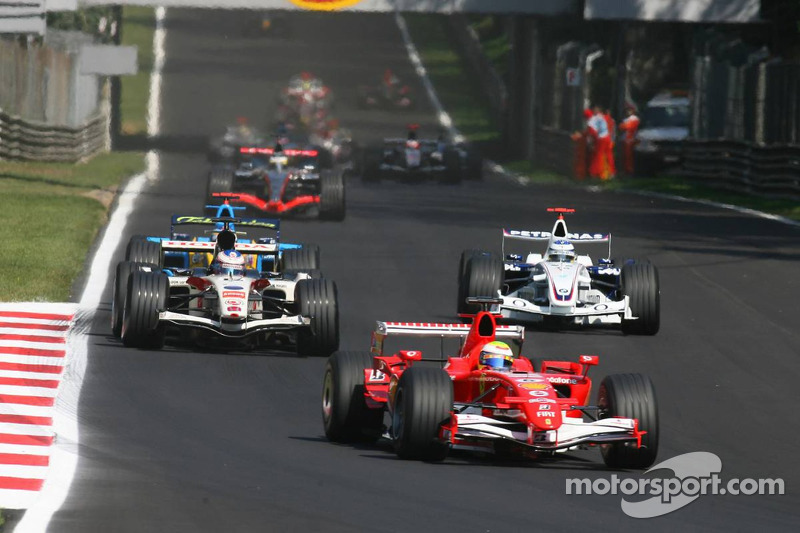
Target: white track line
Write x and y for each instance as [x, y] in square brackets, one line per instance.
[65, 452]
[444, 118]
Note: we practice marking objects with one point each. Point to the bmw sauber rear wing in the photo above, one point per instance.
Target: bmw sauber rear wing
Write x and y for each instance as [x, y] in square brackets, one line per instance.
[435, 330]
[575, 238]
[525, 235]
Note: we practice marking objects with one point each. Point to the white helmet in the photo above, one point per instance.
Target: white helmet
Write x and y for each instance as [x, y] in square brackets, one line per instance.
[561, 250]
[229, 263]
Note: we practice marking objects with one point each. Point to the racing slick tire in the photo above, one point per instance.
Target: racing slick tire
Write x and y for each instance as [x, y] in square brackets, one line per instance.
[422, 403]
[630, 396]
[140, 250]
[219, 180]
[147, 295]
[331, 196]
[640, 283]
[452, 166]
[483, 277]
[317, 299]
[466, 256]
[120, 291]
[301, 259]
[345, 414]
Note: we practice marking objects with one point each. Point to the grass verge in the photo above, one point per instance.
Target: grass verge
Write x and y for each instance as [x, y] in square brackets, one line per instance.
[461, 96]
[60, 207]
[57, 209]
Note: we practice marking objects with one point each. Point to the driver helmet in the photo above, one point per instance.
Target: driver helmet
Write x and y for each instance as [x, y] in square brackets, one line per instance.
[561, 250]
[496, 355]
[229, 263]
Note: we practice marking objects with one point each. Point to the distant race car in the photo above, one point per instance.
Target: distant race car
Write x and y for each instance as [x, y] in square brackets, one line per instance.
[479, 402]
[391, 93]
[282, 180]
[561, 288]
[235, 308]
[225, 148]
[413, 158]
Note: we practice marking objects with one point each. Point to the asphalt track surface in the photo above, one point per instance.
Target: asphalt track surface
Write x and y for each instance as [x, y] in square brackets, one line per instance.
[182, 441]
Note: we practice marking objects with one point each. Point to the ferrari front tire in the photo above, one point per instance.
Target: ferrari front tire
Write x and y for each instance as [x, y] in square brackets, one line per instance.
[422, 403]
[345, 413]
[630, 396]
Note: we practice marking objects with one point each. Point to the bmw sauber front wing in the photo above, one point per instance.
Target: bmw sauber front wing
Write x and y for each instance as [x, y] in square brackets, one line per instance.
[607, 312]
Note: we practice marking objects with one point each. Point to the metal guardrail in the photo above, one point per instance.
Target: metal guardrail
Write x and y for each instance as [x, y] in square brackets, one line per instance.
[771, 170]
[37, 141]
[491, 82]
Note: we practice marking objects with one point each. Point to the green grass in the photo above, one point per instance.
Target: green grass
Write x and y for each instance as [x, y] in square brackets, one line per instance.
[55, 221]
[138, 27]
[460, 96]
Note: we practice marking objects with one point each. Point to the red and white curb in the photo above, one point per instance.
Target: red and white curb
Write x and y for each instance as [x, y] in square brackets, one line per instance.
[33, 356]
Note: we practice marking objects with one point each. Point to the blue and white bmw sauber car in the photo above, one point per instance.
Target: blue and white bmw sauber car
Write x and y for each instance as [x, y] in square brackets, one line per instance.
[560, 287]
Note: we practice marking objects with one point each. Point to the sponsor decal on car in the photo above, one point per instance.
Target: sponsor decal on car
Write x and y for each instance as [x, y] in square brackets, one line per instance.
[233, 294]
[533, 386]
[235, 308]
[563, 381]
[233, 287]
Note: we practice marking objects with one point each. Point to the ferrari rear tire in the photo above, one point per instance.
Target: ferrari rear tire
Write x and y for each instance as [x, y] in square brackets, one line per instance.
[317, 299]
[120, 291]
[301, 259]
[422, 403]
[332, 196]
[220, 180]
[640, 283]
[345, 413]
[483, 278]
[630, 396]
[148, 293]
[140, 250]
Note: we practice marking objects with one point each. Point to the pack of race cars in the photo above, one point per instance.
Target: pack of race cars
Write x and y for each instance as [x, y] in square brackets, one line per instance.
[224, 279]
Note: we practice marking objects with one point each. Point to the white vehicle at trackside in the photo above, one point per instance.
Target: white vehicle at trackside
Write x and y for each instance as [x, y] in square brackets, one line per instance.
[561, 288]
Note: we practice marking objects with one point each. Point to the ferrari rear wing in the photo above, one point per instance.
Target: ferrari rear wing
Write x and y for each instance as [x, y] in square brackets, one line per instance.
[435, 330]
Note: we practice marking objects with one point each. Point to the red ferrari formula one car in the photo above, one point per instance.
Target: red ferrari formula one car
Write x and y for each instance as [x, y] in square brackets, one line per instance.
[475, 404]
